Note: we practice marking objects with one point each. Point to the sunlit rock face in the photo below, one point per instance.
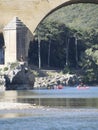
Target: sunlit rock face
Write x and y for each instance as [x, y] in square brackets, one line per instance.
[2, 82]
[20, 78]
[54, 80]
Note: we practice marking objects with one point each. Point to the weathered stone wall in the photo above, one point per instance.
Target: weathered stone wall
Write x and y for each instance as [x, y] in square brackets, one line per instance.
[17, 38]
[31, 12]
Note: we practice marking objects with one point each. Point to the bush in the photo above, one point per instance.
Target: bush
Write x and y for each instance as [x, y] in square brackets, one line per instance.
[5, 68]
[13, 65]
[66, 70]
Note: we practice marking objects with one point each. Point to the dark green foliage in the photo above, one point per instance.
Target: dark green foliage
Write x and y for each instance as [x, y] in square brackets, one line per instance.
[60, 30]
[5, 68]
[78, 16]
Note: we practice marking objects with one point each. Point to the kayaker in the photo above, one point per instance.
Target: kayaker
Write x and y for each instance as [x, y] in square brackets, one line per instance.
[81, 84]
[59, 86]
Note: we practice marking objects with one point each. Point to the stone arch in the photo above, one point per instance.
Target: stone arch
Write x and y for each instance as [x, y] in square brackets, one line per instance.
[31, 19]
[67, 3]
[32, 12]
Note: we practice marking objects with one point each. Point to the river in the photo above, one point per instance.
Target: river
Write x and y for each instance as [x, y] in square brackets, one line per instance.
[65, 109]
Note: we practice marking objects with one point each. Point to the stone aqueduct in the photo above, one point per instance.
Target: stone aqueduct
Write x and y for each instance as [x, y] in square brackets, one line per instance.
[31, 13]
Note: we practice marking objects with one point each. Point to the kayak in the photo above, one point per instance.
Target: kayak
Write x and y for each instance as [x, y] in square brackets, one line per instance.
[82, 87]
[59, 87]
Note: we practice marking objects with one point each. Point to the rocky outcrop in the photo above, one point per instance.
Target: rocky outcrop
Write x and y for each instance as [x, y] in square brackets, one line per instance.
[20, 78]
[2, 82]
[64, 79]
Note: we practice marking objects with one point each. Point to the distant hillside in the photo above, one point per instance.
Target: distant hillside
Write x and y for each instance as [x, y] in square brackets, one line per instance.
[78, 16]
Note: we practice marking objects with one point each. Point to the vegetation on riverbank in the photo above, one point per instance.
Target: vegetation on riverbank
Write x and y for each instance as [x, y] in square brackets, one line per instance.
[69, 40]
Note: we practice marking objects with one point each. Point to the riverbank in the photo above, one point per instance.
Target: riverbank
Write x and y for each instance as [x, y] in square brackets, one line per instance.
[51, 78]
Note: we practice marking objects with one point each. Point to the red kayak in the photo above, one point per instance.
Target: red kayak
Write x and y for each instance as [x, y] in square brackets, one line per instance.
[82, 87]
[59, 87]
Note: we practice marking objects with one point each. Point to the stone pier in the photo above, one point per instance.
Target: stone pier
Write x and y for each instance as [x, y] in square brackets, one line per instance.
[17, 39]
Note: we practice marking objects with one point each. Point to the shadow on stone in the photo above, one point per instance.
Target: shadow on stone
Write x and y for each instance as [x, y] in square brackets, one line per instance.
[20, 78]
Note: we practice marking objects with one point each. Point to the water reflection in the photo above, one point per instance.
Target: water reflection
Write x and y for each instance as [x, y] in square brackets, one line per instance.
[70, 102]
[68, 97]
[13, 115]
[66, 109]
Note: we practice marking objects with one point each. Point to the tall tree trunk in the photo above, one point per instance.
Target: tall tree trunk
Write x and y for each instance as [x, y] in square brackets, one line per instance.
[76, 51]
[67, 51]
[49, 46]
[39, 54]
